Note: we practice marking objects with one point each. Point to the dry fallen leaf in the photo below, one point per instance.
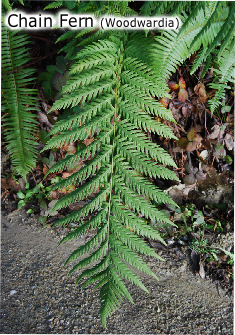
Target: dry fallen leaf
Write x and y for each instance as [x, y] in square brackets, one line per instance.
[194, 139]
[183, 95]
[229, 142]
[66, 174]
[75, 168]
[183, 142]
[193, 144]
[182, 83]
[164, 102]
[173, 85]
[45, 169]
[202, 270]
[43, 119]
[68, 189]
[215, 132]
[186, 111]
[10, 183]
[88, 141]
[53, 195]
[70, 148]
[200, 90]
[77, 205]
[219, 151]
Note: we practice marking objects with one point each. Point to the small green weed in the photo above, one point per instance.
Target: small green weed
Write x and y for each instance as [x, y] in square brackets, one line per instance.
[194, 222]
[40, 192]
[55, 78]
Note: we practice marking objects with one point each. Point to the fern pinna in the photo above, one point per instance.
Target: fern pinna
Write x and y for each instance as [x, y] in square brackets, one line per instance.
[111, 96]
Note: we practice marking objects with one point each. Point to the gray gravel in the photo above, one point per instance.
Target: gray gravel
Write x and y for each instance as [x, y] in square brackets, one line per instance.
[39, 297]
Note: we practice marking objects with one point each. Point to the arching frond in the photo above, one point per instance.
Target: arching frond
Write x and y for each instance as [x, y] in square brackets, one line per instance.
[112, 98]
[18, 101]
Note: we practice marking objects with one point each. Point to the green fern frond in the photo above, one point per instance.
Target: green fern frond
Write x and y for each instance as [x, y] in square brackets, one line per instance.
[93, 258]
[83, 154]
[138, 203]
[82, 114]
[84, 249]
[82, 133]
[210, 24]
[158, 8]
[132, 221]
[55, 4]
[90, 169]
[142, 162]
[88, 188]
[89, 273]
[144, 145]
[225, 74]
[130, 257]
[6, 5]
[125, 272]
[204, 35]
[89, 77]
[96, 35]
[147, 8]
[154, 8]
[18, 102]
[182, 6]
[94, 204]
[173, 48]
[130, 240]
[140, 184]
[108, 300]
[196, 10]
[91, 224]
[111, 104]
[226, 32]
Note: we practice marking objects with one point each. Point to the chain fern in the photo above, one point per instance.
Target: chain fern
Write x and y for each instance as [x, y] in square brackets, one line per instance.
[18, 101]
[110, 94]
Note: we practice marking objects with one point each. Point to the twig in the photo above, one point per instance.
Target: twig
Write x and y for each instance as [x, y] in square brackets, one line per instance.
[205, 125]
[207, 110]
[182, 171]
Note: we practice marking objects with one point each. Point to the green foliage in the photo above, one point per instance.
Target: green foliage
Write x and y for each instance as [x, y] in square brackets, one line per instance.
[110, 97]
[208, 30]
[157, 8]
[195, 224]
[18, 101]
[54, 78]
[6, 5]
[110, 94]
[39, 191]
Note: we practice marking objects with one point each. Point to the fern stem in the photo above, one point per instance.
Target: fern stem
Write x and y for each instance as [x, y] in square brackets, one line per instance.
[113, 144]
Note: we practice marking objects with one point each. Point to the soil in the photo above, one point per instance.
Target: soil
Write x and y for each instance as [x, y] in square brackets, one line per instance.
[39, 297]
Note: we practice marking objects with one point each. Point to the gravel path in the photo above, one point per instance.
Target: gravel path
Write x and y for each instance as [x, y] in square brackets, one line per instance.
[39, 297]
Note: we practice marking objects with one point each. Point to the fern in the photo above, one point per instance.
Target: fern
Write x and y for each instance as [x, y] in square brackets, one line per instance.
[224, 74]
[18, 101]
[209, 24]
[111, 94]
[6, 5]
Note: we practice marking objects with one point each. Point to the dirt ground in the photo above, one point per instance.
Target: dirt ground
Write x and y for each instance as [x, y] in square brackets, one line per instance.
[39, 297]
